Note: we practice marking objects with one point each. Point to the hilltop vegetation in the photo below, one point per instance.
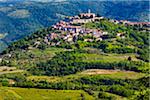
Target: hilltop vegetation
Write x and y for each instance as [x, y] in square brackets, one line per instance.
[18, 19]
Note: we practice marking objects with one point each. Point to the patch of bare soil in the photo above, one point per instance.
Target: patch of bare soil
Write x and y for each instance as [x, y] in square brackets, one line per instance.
[101, 71]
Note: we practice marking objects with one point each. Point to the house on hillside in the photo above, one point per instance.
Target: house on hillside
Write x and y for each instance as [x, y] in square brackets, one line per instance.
[36, 44]
[121, 35]
[52, 36]
[75, 21]
[11, 82]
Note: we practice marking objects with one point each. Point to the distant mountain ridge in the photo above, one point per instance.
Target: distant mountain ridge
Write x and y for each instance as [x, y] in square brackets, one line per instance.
[32, 0]
[18, 19]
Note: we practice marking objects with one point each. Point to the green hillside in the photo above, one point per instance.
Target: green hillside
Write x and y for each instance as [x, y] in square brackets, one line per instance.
[112, 66]
[18, 19]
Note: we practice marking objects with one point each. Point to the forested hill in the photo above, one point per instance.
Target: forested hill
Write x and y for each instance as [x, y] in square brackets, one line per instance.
[17, 19]
[105, 59]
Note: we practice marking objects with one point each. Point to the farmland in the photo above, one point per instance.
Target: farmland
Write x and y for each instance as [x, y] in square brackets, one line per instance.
[87, 73]
[6, 70]
[41, 94]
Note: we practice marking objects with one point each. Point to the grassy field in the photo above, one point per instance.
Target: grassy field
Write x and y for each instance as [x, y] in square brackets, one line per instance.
[7, 70]
[96, 55]
[100, 72]
[25, 60]
[8, 93]
[114, 73]
[48, 53]
[111, 94]
[108, 57]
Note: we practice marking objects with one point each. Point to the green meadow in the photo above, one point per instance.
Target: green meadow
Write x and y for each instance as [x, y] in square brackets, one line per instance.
[8, 93]
[88, 73]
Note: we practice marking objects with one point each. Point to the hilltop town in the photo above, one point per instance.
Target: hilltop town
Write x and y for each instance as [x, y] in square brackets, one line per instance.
[75, 28]
[71, 28]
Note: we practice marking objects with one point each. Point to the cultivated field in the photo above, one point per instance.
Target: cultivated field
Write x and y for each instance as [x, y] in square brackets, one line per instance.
[7, 70]
[42, 94]
[100, 72]
[114, 73]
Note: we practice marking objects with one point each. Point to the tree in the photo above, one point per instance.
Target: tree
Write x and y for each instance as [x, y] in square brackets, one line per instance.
[129, 58]
[42, 46]
[82, 96]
